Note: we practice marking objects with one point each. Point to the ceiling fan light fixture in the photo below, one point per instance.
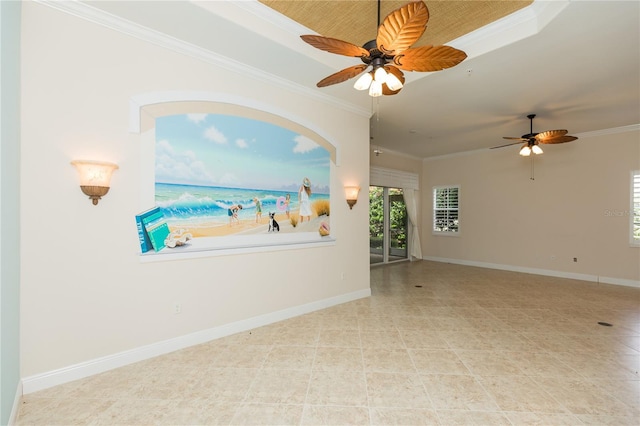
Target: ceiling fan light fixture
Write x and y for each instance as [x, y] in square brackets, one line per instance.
[536, 149]
[380, 75]
[525, 151]
[393, 83]
[363, 82]
[375, 89]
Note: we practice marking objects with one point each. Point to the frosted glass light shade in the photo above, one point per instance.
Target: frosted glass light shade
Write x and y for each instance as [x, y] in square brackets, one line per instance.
[525, 151]
[363, 82]
[351, 193]
[380, 75]
[95, 177]
[376, 89]
[536, 149]
[393, 83]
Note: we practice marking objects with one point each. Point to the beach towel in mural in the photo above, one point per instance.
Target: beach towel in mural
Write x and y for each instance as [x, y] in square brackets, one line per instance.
[222, 175]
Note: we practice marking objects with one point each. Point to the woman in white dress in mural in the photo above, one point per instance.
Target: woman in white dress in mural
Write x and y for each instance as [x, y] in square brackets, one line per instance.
[303, 196]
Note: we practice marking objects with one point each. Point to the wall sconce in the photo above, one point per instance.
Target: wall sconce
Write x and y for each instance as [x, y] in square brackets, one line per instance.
[351, 193]
[95, 177]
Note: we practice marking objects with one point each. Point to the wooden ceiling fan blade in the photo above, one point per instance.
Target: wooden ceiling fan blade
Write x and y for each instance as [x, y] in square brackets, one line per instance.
[558, 139]
[429, 58]
[402, 27]
[515, 139]
[509, 144]
[342, 75]
[551, 134]
[333, 45]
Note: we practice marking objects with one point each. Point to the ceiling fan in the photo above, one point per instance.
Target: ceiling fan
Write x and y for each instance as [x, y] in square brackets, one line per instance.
[389, 53]
[534, 139]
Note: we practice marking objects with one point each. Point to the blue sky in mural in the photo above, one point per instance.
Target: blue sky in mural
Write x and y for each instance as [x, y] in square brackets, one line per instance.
[237, 152]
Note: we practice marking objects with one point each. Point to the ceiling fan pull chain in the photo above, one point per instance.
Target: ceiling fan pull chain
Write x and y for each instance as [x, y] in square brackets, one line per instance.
[532, 171]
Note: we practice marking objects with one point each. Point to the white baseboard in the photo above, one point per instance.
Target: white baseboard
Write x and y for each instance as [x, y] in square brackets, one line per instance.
[16, 405]
[110, 362]
[537, 271]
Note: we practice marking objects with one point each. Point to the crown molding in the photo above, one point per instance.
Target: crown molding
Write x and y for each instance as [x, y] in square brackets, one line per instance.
[123, 26]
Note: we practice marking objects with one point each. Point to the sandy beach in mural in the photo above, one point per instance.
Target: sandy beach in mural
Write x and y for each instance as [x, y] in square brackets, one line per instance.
[248, 226]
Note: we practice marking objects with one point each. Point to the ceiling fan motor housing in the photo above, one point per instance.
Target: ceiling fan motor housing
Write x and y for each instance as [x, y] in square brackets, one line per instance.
[376, 57]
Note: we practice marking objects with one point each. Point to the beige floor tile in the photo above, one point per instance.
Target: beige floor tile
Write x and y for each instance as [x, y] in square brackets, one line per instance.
[416, 322]
[337, 322]
[332, 358]
[594, 365]
[457, 392]
[200, 412]
[279, 387]
[543, 419]
[340, 338]
[290, 357]
[297, 336]
[437, 361]
[541, 364]
[466, 340]
[475, 418]
[520, 393]
[625, 391]
[337, 388]
[334, 415]
[603, 420]
[223, 384]
[136, 412]
[267, 414]
[397, 390]
[243, 356]
[584, 397]
[67, 412]
[489, 363]
[423, 339]
[387, 360]
[403, 416]
[381, 339]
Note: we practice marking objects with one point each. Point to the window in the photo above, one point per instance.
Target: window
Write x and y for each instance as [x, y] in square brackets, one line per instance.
[635, 208]
[445, 209]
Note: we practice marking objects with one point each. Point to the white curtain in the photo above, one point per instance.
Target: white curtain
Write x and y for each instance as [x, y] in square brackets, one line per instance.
[410, 200]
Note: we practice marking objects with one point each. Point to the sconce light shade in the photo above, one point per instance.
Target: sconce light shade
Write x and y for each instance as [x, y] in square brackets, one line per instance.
[95, 177]
[351, 193]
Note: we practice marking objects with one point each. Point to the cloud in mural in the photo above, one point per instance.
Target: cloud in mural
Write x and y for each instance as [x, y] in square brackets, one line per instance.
[215, 135]
[171, 166]
[197, 117]
[303, 144]
[241, 143]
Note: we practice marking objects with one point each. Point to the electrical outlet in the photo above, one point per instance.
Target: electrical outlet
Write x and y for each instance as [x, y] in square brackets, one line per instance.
[575, 259]
[177, 308]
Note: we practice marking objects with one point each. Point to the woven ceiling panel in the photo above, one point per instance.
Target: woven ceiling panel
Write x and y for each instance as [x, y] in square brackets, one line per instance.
[356, 21]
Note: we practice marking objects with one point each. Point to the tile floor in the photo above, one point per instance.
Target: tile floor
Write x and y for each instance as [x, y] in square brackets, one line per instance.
[436, 344]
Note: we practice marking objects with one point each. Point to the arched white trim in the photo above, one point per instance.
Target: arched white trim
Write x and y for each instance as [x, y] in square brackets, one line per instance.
[144, 108]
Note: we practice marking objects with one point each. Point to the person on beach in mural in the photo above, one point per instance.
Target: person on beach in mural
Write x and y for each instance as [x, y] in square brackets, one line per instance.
[233, 214]
[287, 206]
[258, 210]
[303, 196]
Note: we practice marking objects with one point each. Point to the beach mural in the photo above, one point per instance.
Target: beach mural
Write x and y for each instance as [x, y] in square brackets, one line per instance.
[222, 175]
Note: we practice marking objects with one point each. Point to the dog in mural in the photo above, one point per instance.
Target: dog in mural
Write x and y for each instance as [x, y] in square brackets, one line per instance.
[273, 224]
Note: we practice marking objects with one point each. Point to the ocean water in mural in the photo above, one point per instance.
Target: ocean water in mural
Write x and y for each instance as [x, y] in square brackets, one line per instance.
[207, 163]
[199, 205]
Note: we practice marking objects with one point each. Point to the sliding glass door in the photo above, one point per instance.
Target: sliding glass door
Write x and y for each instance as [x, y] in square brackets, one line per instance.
[387, 225]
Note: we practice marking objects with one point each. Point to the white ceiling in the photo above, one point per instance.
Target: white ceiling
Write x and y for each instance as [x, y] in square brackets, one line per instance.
[576, 64]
